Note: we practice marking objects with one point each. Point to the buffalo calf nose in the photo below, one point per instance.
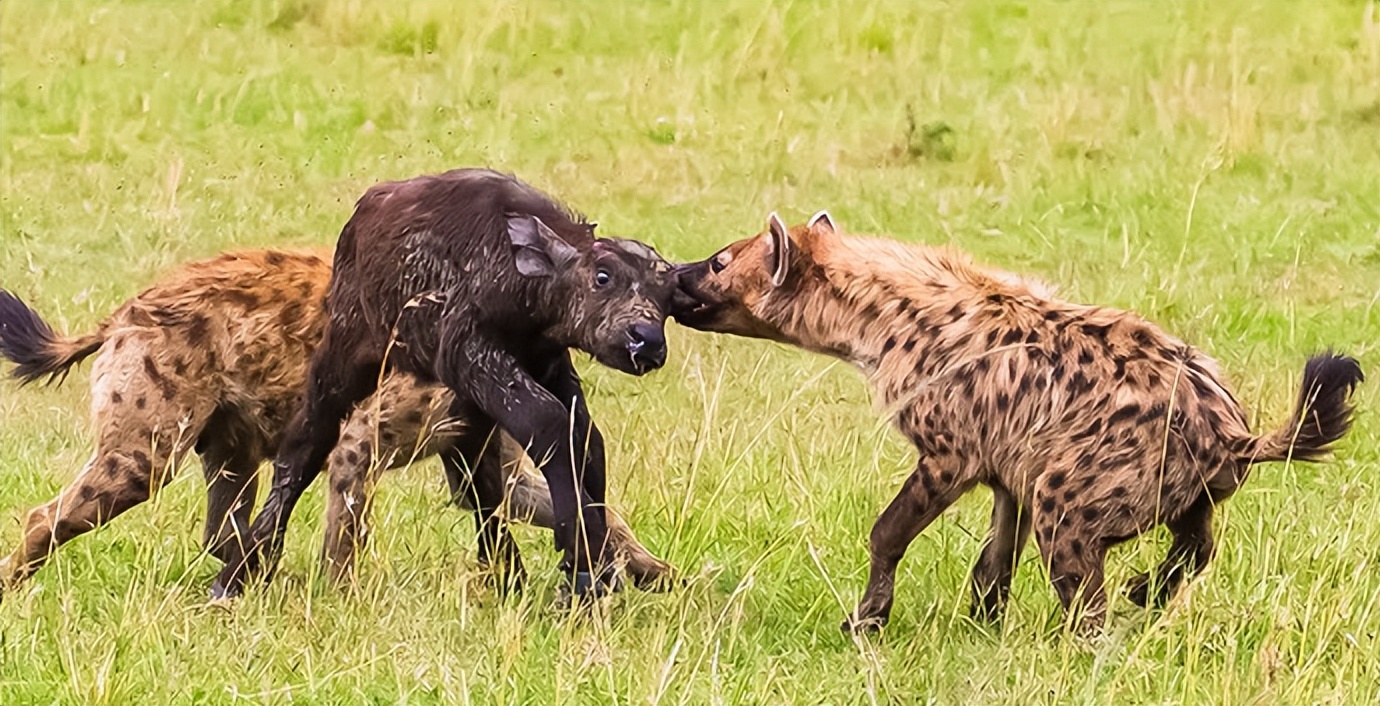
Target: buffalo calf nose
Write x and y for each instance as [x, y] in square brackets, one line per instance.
[647, 345]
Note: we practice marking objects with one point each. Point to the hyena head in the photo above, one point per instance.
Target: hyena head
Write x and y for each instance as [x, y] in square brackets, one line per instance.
[614, 294]
[760, 285]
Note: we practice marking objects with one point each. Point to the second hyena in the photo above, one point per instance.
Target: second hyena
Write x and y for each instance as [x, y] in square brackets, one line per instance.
[1090, 424]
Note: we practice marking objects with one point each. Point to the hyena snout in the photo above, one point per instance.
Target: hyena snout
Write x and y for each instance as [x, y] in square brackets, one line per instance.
[686, 298]
[694, 305]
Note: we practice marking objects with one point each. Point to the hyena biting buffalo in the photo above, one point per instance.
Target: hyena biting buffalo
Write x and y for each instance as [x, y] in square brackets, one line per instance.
[446, 328]
[1089, 424]
[478, 281]
[212, 359]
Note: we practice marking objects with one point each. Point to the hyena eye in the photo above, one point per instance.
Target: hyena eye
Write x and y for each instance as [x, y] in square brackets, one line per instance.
[602, 278]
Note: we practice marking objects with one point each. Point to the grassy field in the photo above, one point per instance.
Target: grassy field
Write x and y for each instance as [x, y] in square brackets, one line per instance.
[1213, 165]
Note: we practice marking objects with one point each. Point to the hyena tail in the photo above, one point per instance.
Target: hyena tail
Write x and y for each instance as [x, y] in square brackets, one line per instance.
[1321, 416]
[36, 350]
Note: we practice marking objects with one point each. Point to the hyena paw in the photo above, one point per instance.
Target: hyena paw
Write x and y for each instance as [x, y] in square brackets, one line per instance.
[652, 574]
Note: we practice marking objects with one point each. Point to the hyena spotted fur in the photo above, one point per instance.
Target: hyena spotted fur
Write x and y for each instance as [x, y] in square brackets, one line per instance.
[212, 359]
[1089, 424]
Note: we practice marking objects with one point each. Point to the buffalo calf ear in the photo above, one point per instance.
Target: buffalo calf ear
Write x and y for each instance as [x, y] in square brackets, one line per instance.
[641, 251]
[821, 223]
[539, 252]
[780, 260]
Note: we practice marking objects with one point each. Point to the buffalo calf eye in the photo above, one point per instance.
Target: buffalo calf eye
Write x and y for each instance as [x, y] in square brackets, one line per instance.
[717, 265]
[602, 278]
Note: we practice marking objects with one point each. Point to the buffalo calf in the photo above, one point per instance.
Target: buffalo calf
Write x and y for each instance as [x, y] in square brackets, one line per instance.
[476, 280]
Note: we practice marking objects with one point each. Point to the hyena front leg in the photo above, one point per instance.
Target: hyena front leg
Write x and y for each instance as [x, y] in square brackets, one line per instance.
[1191, 550]
[353, 469]
[529, 500]
[390, 428]
[1001, 551]
[931, 489]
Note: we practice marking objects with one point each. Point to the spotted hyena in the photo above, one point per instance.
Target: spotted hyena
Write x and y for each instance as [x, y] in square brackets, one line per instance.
[1090, 424]
[212, 360]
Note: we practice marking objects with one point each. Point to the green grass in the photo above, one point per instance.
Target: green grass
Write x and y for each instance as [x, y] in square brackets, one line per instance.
[1213, 165]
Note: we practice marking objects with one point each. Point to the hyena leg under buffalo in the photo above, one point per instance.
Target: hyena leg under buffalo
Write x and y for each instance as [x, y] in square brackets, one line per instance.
[405, 420]
[1001, 551]
[931, 489]
[402, 421]
[1189, 553]
[343, 372]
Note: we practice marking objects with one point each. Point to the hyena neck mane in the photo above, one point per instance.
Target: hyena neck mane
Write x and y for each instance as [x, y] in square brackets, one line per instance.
[869, 301]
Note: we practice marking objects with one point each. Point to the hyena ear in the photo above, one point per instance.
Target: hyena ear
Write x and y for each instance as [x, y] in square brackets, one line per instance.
[780, 249]
[538, 250]
[822, 224]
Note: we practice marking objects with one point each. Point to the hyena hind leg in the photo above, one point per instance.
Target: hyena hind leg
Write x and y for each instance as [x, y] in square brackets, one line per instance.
[1190, 552]
[232, 480]
[1001, 551]
[113, 481]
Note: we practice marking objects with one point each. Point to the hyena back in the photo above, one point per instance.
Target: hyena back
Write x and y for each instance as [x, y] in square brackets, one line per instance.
[212, 360]
[1089, 424]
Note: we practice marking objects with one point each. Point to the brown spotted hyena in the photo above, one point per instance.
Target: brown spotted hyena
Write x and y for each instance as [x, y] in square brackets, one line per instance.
[212, 360]
[1090, 424]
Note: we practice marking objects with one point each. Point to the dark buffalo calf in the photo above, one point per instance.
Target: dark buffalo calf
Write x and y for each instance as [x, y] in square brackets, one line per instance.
[483, 283]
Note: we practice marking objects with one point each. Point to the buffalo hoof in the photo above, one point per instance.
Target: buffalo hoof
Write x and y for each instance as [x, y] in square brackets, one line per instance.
[865, 626]
[222, 592]
[583, 587]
